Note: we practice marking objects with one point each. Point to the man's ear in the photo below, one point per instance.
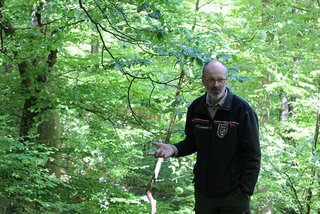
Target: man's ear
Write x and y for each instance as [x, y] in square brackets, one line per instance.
[202, 80]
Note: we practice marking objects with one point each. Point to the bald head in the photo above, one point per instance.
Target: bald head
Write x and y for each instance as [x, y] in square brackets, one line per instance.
[215, 65]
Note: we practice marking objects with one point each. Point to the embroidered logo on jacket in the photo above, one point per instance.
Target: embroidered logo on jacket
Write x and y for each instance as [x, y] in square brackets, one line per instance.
[198, 126]
[222, 130]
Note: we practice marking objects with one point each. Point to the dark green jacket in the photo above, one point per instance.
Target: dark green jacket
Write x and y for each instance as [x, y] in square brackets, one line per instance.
[228, 148]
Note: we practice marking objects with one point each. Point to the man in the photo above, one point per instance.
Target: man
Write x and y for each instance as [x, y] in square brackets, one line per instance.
[223, 130]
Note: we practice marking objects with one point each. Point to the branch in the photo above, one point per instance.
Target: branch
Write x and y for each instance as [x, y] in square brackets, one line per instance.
[316, 135]
[123, 15]
[1, 30]
[62, 27]
[205, 4]
[291, 185]
[97, 27]
[148, 52]
[39, 18]
[2, 42]
[174, 113]
[118, 34]
[100, 114]
[150, 95]
[135, 116]
[295, 192]
[300, 8]
[127, 23]
[121, 34]
[152, 201]
[152, 80]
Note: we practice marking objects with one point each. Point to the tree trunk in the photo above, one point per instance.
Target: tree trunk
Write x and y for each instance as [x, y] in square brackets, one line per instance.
[196, 10]
[314, 153]
[95, 50]
[49, 134]
[157, 168]
[284, 109]
[27, 117]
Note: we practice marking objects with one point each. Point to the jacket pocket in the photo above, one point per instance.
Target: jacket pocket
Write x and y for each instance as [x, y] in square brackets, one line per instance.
[202, 130]
[239, 195]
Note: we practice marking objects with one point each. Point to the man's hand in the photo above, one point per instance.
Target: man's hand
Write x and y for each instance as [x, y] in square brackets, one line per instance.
[163, 151]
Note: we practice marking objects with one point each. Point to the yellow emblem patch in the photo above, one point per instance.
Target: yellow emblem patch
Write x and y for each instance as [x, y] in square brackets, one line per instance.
[222, 130]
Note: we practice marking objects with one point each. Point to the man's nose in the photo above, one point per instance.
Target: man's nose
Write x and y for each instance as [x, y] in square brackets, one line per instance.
[215, 82]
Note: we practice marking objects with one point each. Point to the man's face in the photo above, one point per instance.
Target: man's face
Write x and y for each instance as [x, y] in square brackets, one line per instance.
[215, 81]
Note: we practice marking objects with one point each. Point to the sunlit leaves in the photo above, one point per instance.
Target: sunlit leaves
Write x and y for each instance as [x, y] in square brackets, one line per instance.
[113, 103]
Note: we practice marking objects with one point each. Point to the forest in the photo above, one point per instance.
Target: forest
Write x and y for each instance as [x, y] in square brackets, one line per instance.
[86, 86]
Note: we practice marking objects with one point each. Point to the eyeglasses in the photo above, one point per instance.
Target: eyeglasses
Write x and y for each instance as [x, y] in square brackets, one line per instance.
[212, 80]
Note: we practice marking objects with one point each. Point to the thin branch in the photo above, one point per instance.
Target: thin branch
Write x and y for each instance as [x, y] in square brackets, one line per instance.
[65, 26]
[97, 27]
[205, 4]
[1, 38]
[2, 25]
[174, 113]
[121, 34]
[135, 116]
[314, 152]
[150, 95]
[316, 135]
[153, 180]
[300, 8]
[123, 15]
[295, 192]
[148, 52]
[39, 18]
[102, 115]
[152, 80]
[291, 186]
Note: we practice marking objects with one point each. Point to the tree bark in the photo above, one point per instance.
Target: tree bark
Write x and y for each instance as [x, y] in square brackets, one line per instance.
[49, 134]
[28, 115]
[27, 118]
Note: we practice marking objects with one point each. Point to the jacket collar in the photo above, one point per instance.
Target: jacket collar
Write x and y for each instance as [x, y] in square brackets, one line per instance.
[228, 102]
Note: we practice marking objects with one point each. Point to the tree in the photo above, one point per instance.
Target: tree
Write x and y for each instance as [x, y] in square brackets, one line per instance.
[87, 85]
[283, 61]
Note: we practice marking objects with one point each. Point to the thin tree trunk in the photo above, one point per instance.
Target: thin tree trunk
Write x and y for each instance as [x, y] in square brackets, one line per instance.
[197, 10]
[95, 50]
[153, 202]
[314, 151]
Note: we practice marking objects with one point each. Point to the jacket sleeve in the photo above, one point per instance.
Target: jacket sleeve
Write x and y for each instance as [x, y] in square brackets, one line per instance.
[187, 146]
[250, 151]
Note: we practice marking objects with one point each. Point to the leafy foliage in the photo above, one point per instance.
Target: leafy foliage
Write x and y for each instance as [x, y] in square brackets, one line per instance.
[113, 82]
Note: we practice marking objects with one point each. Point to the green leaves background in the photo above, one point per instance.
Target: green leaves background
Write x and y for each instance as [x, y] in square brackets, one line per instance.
[113, 87]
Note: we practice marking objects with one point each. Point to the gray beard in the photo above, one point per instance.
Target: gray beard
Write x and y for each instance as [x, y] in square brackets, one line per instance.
[214, 99]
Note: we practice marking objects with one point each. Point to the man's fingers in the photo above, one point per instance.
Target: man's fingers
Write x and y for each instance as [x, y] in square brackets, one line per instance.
[151, 153]
[157, 154]
[158, 144]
